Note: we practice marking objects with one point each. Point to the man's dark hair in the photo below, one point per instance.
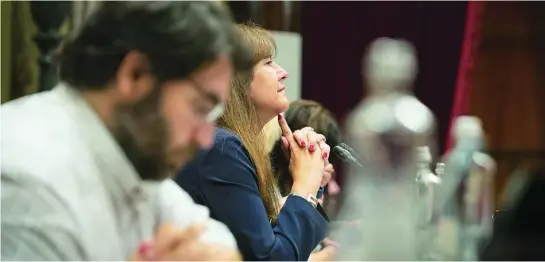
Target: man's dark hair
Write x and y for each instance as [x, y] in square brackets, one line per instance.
[178, 37]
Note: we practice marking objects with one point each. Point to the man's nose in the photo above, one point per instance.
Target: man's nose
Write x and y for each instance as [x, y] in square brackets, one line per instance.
[204, 135]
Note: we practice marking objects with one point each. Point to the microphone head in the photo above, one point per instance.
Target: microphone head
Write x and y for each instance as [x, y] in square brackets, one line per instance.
[467, 126]
[341, 153]
[344, 155]
[351, 150]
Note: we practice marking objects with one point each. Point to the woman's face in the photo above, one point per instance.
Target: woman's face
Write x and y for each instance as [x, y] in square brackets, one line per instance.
[267, 88]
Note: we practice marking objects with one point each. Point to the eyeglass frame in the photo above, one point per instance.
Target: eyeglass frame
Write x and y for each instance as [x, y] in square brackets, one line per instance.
[212, 115]
[218, 108]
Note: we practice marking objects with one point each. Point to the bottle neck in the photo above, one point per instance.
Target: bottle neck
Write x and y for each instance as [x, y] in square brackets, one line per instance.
[469, 143]
[384, 88]
[423, 165]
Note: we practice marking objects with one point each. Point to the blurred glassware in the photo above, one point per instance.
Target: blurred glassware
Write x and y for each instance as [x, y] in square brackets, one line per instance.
[385, 129]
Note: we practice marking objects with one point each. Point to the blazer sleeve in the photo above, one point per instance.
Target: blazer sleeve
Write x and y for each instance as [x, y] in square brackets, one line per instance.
[230, 189]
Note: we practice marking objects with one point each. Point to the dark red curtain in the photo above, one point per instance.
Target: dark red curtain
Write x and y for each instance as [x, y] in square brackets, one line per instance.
[469, 46]
[335, 35]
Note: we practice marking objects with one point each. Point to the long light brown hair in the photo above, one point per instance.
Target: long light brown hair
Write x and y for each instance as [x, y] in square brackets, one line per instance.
[241, 117]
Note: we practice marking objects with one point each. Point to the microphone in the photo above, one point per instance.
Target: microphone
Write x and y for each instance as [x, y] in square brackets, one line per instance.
[346, 153]
[346, 156]
[351, 150]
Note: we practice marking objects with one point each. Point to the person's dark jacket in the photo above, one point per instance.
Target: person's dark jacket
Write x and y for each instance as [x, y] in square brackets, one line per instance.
[225, 180]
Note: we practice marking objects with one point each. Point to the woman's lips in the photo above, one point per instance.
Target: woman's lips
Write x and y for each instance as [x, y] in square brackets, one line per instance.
[281, 89]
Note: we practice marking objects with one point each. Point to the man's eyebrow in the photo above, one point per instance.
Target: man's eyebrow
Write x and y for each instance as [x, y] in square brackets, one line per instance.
[210, 96]
[213, 98]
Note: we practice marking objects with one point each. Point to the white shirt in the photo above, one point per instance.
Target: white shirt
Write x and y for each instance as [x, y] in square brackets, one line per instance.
[69, 192]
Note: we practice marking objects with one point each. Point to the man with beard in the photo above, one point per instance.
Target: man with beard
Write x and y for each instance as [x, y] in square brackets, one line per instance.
[86, 166]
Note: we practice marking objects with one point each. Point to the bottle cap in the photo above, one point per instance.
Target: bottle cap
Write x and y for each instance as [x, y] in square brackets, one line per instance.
[390, 64]
[467, 126]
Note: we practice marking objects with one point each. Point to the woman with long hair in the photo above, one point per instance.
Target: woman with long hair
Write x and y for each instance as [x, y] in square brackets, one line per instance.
[234, 179]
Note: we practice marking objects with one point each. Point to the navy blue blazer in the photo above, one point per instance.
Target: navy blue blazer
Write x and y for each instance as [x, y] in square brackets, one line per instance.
[225, 180]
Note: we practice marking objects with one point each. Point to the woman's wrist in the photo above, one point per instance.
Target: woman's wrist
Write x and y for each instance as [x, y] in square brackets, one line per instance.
[312, 200]
[303, 190]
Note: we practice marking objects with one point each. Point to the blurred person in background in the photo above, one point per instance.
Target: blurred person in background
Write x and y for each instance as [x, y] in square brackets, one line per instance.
[86, 166]
[303, 113]
[235, 178]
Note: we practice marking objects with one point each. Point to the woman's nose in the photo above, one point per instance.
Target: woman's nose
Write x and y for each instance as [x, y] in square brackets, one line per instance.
[281, 73]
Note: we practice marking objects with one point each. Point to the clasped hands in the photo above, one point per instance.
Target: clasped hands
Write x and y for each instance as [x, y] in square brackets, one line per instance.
[308, 154]
[172, 243]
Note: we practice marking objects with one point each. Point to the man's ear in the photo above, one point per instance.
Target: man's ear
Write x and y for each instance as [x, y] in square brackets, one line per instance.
[133, 81]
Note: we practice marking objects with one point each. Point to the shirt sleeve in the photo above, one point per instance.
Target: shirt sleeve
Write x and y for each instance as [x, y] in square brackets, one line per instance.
[230, 189]
[35, 225]
[179, 208]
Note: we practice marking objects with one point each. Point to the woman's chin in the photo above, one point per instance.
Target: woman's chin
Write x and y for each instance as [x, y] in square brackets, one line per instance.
[283, 106]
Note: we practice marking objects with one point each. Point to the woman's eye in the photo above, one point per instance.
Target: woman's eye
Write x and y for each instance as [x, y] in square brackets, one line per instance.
[269, 62]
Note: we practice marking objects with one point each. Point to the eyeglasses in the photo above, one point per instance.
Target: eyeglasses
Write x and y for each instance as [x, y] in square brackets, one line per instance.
[211, 116]
[215, 113]
[218, 108]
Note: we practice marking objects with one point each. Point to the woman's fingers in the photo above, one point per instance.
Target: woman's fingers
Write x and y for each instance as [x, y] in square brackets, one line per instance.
[330, 169]
[321, 138]
[325, 149]
[285, 143]
[286, 131]
[330, 242]
[285, 147]
[328, 174]
[300, 136]
[312, 141]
